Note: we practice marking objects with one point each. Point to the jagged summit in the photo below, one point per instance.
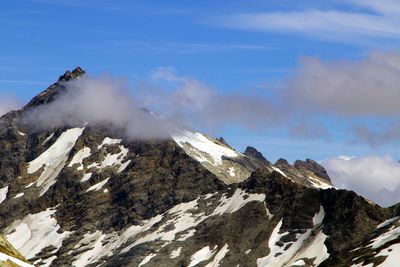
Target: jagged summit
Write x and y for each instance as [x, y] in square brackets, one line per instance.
[312, 166]
[86, 196]
[55, 89]
[76, 73]
[254, 153]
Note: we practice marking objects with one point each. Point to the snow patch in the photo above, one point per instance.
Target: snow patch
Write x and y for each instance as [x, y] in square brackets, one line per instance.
[231, 171]
[48, 139]
[98, 186]
[3, 193]
[219, 256]
[109, 141]
[30, 184]
[113, 160]
[203, 144]
[299, 263]
[306, 246]
[237, 201]
[92, 246]
[185, 216]
[35, 232]
[388, 236]
[19, 195]
[96, 245]
[176, 253]
[319, 184]
[202, 255]
[319, 216]
[393, 256]
[385, 223]
[54, 159]
[5, 257]
[279, 170]
[86, 177]
[79, 157]
[147, 259]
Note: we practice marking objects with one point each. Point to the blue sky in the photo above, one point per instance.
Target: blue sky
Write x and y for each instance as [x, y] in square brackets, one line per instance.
[241, 47]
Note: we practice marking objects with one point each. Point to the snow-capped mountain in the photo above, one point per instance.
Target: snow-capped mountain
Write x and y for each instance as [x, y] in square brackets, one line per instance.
[83, 195]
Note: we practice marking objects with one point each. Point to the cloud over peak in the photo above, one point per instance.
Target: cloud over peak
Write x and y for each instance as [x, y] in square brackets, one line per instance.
[374, 177]
[101, 100]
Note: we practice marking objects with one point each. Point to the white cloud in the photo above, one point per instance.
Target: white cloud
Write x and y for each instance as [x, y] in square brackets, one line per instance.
[101, 100]
[334, 24]
[195, 101]
[375, 177]
[368, 87]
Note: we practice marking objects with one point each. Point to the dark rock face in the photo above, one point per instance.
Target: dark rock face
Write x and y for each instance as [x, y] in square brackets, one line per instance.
[119, 202]
[255, 154]
[312, 166]
[282, 163]
[56, 89]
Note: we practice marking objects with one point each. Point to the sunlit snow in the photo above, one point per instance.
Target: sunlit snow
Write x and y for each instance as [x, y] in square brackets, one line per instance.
[35, 232]
[54, 159]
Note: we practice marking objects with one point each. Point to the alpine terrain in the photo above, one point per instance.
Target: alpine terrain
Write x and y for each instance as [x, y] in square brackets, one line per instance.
[85, 195]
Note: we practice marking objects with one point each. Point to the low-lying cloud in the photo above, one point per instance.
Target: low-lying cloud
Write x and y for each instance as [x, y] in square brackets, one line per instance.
[102, 100]
[343, 91]
[177, 101]
[198, 103]
[375, 177]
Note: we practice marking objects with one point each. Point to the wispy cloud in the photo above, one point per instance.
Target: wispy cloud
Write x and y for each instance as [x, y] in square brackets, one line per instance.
[197, 102]
[367, 87]
[126, 47]
[377, 136]
[373, 19]
[173, 47]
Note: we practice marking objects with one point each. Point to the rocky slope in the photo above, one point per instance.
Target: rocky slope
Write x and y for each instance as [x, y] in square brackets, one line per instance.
[9, 256]
[83, 195]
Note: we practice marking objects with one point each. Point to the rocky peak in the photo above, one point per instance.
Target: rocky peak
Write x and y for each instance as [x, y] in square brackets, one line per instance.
[55, 89]
[282, 163]
[77, 73]
[222, 141]
[86, 196]
[255, 154]
[312, 166]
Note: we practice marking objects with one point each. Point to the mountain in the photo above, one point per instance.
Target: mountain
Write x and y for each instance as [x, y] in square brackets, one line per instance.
[85, 195]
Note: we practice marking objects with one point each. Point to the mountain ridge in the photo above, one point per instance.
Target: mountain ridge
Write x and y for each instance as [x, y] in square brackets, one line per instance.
[188, 200]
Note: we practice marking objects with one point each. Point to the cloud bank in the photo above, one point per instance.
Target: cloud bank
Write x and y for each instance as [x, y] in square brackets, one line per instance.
[178, 102]
[196, 102]
[375, 177]
[102, 100]
[369, 87]
[348, 91]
